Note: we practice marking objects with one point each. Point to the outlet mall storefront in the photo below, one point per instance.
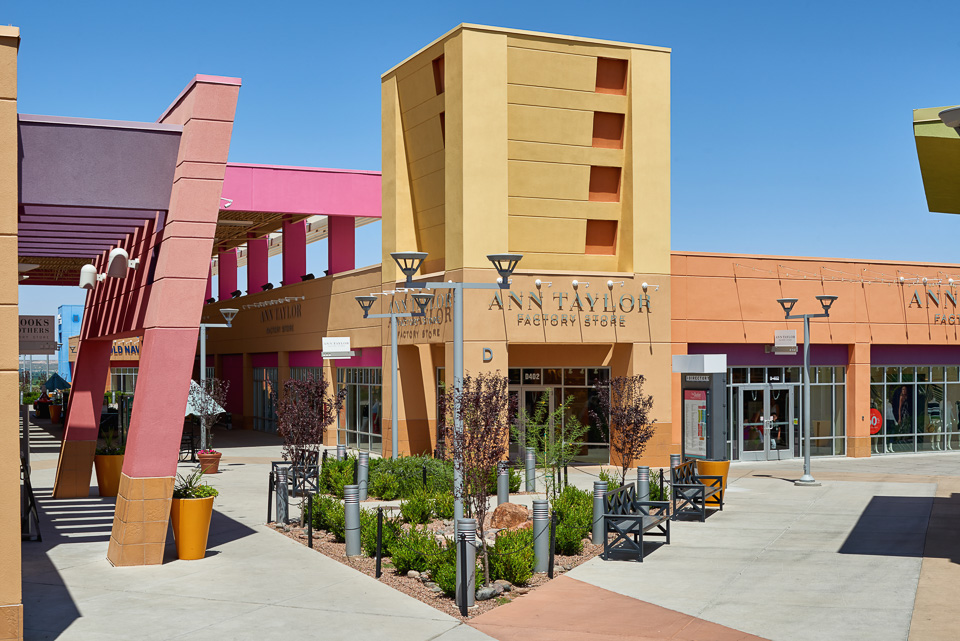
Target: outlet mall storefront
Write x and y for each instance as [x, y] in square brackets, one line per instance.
[885, 366]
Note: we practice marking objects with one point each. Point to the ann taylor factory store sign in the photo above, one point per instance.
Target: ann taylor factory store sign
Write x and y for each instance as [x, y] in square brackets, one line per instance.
[562, 309]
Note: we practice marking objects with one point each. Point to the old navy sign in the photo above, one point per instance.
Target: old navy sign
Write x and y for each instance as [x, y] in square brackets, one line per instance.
[564, 308]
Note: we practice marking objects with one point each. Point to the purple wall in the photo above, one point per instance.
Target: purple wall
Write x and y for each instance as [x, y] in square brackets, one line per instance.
[741, 355]
[914, 355]
[264, 360]
[312, 358]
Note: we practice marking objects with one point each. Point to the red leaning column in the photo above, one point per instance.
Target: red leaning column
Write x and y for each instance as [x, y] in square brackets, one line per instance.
[83, 420]
[173, 302]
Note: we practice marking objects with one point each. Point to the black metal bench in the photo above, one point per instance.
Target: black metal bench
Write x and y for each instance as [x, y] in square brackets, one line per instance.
[629, 519]
[691, 490]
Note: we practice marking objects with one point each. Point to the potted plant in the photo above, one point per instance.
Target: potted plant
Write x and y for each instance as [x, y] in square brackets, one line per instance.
[190, 511]
[57, 406]
[108, 462]
[207, 405]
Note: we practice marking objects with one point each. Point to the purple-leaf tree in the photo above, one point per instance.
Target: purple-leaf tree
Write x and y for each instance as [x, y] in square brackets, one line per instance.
[625, 410]
[483, 405]
[207, 402]
[304, 414]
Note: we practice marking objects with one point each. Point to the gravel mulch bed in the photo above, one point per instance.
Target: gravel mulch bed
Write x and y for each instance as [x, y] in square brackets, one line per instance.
[325, 543]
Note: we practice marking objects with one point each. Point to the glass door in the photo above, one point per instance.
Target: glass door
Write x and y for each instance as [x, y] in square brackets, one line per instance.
[529, 399]
[766, 422]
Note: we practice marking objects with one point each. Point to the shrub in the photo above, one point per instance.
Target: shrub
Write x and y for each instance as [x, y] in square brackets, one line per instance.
[335, 475]
[385, 487]
[328, 515]
[443, 503]
[368, 533]
[412, 549]
[417, 509]
[408, 472]
[443, 570]
[574, 509]
[515, 480]
[612, 479]
[655, 494]
[512, 557]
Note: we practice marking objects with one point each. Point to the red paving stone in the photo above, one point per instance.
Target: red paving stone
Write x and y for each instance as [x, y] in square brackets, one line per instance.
[566, 610]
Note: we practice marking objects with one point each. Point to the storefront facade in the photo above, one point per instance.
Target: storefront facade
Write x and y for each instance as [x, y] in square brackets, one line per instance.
[557, 148]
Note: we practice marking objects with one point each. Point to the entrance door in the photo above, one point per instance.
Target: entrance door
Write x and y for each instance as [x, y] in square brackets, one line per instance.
[527, 405]
[766, 422]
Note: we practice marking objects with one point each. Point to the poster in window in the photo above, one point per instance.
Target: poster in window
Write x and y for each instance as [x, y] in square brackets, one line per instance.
[695, 423]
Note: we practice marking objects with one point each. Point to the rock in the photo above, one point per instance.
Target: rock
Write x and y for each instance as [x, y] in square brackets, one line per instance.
[286, 528]
[509, 515]
[506, 585]
[413, 574]
[430, 585]
[425, 575]
[489, 591]
[568, 567]
[520, 591]
[587, 541]
[526, 525]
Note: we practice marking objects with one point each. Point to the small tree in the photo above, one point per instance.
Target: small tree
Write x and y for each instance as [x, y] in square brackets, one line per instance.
[208, 405]
[624, 409]
[304, 414]
[483, 405]
[556, 437]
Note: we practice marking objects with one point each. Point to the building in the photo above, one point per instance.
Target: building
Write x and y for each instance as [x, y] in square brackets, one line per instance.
[557, 148]
[68, 325]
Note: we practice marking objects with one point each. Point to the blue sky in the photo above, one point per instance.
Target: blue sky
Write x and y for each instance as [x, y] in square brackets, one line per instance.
[791, 121]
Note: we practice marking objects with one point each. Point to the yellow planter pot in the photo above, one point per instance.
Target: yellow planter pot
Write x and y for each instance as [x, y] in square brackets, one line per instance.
[191, 525]
[108, 468]
[714, 468]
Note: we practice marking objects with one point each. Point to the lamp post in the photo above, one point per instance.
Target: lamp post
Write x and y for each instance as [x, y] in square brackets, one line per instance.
[366, 302]
[505, 264]
[787, 305]
[228, 315]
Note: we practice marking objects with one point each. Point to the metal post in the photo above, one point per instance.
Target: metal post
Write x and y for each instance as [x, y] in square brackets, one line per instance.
[531, 464]
[553, 543]
[341, 452]
[467, 565]
[203, 383]
[423, 471]
[270, 497]
[643, 486]
[351, 519]
[379, 540]
[541, 541]
[503, 483]
[599, 488]
[458, 390]
[363, 473]
[394, 379]
[283, 500]
[643, 483]
[310, 520]
[807, 478]
[675, 460]
[565, 477]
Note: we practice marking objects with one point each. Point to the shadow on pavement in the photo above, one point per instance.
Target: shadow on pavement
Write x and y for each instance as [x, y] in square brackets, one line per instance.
[895, 526]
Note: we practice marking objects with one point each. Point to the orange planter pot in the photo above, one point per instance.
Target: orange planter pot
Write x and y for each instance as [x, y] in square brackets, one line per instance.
[210, 463]
[714, 468]
[55, 411]
[191, 526]
[108, 468]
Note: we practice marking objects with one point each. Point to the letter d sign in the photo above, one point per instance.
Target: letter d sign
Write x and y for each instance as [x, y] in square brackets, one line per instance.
[487, 354]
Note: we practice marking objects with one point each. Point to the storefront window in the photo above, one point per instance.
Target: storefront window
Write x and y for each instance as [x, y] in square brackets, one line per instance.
[360, 424]
[264, 391]
[827, 411]
[920, 413]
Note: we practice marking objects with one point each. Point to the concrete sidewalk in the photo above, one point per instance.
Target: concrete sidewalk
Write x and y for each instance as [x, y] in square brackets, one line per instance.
[871, 554]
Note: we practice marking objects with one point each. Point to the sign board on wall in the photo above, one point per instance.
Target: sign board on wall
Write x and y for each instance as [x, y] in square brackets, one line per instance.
[695, 423]
[336, 347]
[38, 335]
[785, 338]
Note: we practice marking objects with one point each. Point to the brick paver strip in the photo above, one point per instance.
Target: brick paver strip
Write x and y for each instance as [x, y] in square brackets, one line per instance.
[569, 610]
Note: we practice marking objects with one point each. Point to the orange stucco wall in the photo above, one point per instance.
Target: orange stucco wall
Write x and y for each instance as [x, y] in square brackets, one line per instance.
[732, 299]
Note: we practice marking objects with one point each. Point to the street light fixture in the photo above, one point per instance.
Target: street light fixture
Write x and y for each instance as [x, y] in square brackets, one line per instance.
[409, 263]
[366, 303]
[826, 301]
[505, 264]
[228, 313]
